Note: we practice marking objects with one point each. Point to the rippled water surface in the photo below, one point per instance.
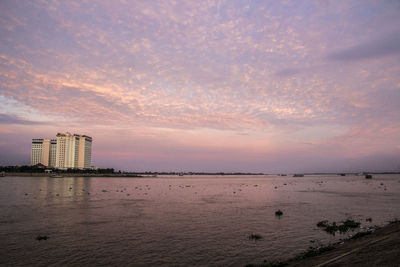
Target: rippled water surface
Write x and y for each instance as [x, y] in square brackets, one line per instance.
[181, 221]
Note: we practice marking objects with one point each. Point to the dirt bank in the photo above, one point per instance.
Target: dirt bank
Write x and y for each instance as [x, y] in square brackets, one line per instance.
[380, 248]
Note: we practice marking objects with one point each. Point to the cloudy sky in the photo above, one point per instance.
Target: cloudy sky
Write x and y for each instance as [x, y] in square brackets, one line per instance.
[263, 86]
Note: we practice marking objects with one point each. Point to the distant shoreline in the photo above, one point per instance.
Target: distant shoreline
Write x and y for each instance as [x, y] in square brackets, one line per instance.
[155, 174]
[40, 174]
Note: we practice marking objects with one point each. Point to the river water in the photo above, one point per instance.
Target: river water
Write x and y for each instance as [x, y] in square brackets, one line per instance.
[181, 221]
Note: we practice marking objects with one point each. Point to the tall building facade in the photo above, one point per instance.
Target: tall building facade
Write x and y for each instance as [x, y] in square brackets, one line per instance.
[36, 152]
[43, 151]
[67, 151]
[53, 152]
[84, 152]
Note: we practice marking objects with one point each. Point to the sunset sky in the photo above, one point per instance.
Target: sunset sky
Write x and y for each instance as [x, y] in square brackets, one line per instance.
[260, 86]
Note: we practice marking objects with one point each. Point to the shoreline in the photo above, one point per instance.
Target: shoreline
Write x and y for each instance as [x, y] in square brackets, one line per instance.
[66, 175]
[378, 248]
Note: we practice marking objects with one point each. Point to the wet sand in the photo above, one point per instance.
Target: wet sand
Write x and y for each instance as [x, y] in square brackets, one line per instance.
[381, 248]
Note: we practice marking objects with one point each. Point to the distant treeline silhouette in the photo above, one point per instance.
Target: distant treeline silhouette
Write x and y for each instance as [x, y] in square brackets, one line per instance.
[39, 169]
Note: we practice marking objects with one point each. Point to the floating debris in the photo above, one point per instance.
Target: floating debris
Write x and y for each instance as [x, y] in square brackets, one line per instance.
[278, 213]
[368, 176]
[255, 237]
[42, 237]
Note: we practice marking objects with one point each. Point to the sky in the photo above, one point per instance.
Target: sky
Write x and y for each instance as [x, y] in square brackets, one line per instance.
[233, 86]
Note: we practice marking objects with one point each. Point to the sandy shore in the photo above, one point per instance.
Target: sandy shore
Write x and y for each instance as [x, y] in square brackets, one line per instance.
[381, 248]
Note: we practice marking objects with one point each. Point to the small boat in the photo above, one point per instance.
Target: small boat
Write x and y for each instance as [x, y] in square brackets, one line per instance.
[2, 174]
[298, 175]
[56, 176]
[368, 176]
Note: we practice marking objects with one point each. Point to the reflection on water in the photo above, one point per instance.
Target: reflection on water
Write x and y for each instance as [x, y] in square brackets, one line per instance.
[180, 221]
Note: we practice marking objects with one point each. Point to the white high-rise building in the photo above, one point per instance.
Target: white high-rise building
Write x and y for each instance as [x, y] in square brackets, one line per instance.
[43, 151]
[84, 152]
[67, 151]
[36, 152]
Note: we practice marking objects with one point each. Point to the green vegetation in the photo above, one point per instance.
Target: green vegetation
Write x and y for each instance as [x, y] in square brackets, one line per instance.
[41, 169]
[323, 223]
[316, 251]
[21, 169]
[342, 228]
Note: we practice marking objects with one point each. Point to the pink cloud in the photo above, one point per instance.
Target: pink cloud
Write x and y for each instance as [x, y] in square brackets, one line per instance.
[204, 82]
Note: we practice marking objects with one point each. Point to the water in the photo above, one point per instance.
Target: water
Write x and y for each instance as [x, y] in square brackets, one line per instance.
[181, 221]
